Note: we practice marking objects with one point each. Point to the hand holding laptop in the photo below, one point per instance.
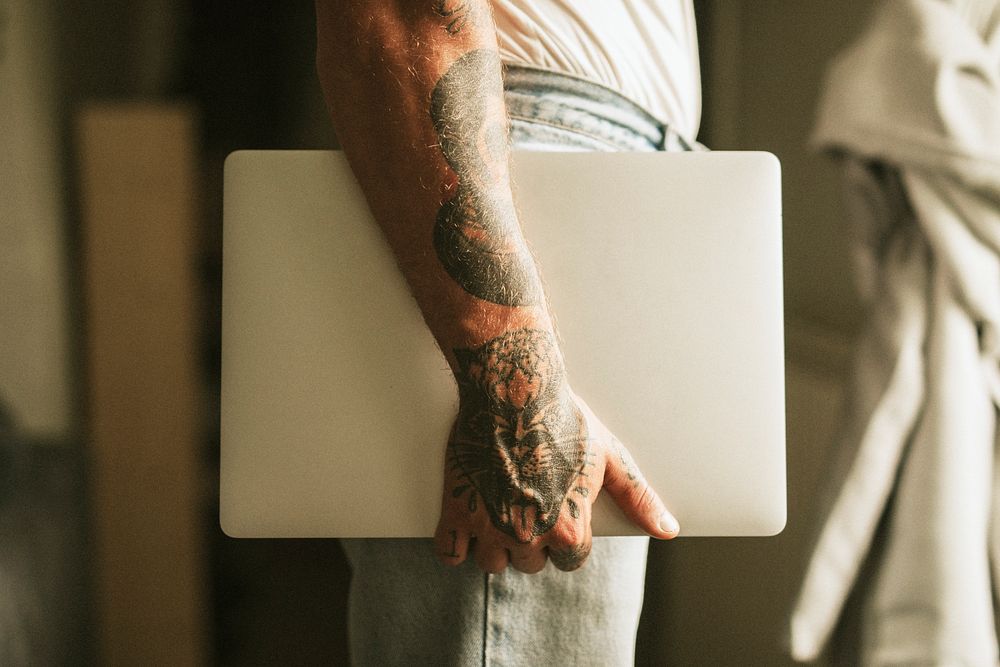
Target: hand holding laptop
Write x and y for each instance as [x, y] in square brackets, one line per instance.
[527, 458]
[337, 402]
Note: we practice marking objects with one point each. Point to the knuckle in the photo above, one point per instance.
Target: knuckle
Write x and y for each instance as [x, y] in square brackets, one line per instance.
[570, 558]
[567, 534]
[450, 546]
[645, 498]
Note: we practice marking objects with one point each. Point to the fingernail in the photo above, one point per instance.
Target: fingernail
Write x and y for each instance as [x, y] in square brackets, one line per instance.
[668, 523]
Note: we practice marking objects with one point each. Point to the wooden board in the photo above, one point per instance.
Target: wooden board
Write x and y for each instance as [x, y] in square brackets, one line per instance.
[137, 166]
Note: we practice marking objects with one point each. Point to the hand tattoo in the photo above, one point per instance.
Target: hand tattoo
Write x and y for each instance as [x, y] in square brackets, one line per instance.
[520, 442]
[476, 235]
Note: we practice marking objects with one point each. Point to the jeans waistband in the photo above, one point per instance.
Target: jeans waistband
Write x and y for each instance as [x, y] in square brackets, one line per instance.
[577, 105]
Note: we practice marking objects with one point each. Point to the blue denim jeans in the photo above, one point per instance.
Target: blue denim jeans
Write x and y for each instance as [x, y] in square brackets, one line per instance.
[406, 608]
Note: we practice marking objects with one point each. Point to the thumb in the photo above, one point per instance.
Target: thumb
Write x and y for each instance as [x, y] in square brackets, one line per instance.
[632, 493]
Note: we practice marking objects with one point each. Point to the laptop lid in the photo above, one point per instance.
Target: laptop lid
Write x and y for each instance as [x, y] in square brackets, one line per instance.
[663, 272]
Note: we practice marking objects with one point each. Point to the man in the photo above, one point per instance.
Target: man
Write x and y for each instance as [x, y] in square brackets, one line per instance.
[416, 94]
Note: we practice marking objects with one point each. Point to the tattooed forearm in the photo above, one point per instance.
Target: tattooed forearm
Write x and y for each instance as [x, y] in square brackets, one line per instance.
[520, 443]
[476, 235]
[458, 14]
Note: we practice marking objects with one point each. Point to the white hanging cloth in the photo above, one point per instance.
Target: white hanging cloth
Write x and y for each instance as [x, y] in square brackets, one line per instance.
[913, 110]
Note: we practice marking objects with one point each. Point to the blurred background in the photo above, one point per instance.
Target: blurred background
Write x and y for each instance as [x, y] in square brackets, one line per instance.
[115, 119]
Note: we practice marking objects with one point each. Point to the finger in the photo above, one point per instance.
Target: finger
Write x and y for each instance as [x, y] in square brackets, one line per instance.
[451, 545]
[630, 490]
[490, 557]
[529, 560]
[569, 544]
[572, 557]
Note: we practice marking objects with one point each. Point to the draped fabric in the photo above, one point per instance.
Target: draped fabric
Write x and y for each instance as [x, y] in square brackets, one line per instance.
[912, 110]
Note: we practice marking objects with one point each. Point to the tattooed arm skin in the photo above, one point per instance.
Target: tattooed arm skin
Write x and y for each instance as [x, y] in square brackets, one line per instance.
[415, 92]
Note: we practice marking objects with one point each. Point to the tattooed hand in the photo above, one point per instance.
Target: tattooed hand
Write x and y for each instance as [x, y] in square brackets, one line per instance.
[526, 460]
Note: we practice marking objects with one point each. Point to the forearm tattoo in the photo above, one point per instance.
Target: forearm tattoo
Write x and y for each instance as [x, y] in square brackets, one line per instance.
[457, 14]
[476, 235]
[520, 444]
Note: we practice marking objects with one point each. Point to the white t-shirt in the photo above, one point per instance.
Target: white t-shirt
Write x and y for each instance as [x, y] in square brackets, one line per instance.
[645, 49]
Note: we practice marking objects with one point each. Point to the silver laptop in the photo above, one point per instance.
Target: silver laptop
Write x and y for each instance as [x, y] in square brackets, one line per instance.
[664, 275]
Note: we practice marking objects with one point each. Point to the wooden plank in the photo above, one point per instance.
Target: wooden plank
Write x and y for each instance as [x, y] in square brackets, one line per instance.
[138, 176]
